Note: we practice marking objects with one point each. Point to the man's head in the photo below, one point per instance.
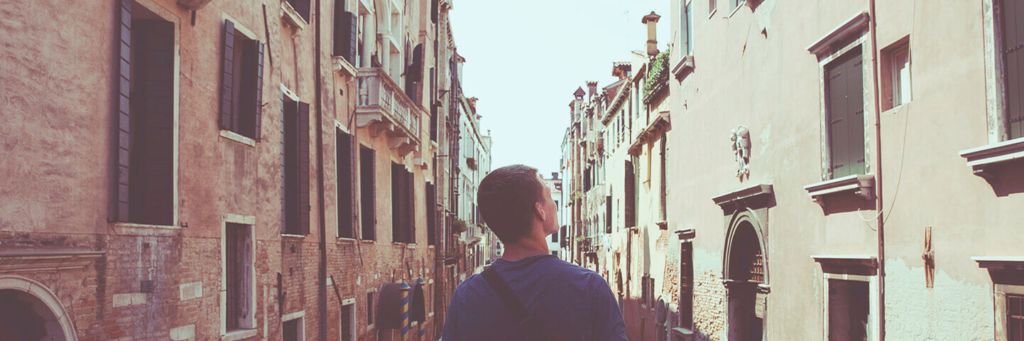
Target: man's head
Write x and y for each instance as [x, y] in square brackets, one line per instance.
[515, 202]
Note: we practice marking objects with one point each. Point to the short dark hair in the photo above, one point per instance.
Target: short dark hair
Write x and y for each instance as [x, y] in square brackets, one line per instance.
[506, 199]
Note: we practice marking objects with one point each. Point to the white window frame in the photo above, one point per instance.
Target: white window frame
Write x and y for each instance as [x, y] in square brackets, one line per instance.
[899, 53]
[298, 315]
[129, 228]
[251, 35]
[872, 328]
[866, 50]
[249, 329]
[995, 91]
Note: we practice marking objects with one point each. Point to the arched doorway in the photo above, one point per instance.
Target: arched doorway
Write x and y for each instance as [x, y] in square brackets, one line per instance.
[744, 275]
[28, 311]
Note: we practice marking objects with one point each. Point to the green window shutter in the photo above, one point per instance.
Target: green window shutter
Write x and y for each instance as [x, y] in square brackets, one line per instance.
[1013, 64]
[845, 115]
[122, 161]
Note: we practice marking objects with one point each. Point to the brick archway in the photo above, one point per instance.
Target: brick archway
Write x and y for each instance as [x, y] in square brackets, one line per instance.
[36, 304]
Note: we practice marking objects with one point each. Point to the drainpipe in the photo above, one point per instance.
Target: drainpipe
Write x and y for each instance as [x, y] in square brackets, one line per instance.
[878, 174]
[321, 217]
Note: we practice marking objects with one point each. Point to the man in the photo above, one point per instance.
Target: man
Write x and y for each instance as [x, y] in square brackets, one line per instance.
[529, 294]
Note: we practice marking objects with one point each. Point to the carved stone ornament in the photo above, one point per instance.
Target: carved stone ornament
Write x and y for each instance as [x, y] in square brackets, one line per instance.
[741, 148]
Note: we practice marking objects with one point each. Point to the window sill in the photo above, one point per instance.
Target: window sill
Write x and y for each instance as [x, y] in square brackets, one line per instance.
[292, 16]
[683, 68]
[293, 236]
[239, 335]
[712, 13]
[986, 161]
[861, 185]
[343, 65]
[133, 229]
[368, 241]
[735, 10]
[344, 240]
[233, 136]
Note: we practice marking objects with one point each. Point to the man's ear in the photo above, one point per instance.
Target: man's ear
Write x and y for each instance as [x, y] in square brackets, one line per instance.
[538, 209]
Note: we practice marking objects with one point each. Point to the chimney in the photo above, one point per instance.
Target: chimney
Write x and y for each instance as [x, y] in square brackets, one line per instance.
[652, 34]
[579, 93]
[621, 70]
[591, 88]
[472, 102]
[554, 175]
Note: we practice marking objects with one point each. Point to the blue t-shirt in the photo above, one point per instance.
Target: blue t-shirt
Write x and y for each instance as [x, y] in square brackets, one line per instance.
[565, 299]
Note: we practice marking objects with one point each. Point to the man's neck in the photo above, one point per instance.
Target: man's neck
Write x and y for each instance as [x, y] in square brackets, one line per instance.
[528, 246]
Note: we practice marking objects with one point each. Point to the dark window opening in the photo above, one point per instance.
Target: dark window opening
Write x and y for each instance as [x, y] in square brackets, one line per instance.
[431, 210]
[238, 265]
[686, 286]
[367, 193]
[346, 31]
[608, 214]
[241, 83]
[343, 175]
[1015, 317]
[1013, 69]
[402, 209]
[631, 195]
[301, 7]
[369, 308]
[296, 167]
[844, 95]
[347, 323]
[144, 186]
[292, 330]
[847, 310]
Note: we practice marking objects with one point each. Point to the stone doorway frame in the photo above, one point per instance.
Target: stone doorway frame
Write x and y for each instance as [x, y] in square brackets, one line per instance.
[46, 297]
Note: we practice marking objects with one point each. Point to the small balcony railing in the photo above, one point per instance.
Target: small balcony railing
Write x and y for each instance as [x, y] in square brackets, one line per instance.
[382, 104]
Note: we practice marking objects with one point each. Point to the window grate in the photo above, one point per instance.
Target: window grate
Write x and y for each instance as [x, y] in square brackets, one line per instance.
[1015, 317]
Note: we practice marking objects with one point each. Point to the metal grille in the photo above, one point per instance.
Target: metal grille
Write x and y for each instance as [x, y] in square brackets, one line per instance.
[1015, 317]
[757, 269]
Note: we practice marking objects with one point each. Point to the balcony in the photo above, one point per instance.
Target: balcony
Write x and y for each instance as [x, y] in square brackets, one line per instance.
[385, 109]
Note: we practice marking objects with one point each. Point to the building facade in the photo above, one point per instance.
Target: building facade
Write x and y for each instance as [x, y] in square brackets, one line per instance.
[850, 163]
[231, 169]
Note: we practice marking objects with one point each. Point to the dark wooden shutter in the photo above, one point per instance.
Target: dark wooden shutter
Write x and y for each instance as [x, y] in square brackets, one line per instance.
[367, 193]
[260, 50]
[290, 165]
[345, 33]
[302, 7]
[845, 96]
[233, 249]
[152, 110]
[227, 76]
[343, 144]
[302, 173]
[431, 211]
[396, 204]
[123, 145]
[1013, 64]
[630, 189]
[410, 204]
[433, 10]
[608, 214]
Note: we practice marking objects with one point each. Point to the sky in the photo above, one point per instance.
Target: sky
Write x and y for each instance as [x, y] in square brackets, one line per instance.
[525, 58]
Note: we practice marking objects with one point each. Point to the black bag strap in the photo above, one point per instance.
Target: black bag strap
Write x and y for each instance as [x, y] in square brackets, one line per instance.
[506, 294]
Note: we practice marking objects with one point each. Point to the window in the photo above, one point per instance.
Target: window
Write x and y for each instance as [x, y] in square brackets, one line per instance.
[844, 100]
[293, 330]
[346, 29]
[369, 309]
[1015, 317]
[431, 210]
[631, 195]
[1011, 22]
[896, 84]
[301, 7]
[686, 285]
[737, 3]
[241, 83]
[348, 322]
[343, 175]
[238, 277]
[608, 214]
[296, 167]
[144, 165]
[712, 6]
[686, 27]
[402, 209]
[848, 304]
[367, 193]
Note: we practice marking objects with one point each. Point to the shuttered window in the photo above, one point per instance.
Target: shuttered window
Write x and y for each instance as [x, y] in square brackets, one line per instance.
[296, 167]
[402, 208]
[301, 7]
[367, 193]
[431, 210]
[686, 285]
[1012, 25]
[1015, 317]
[346, 32]
[844, 97]
[144, 188]
[346, 194]
[608, 214]
[630, 189]
[241, 83]
[238, 269]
